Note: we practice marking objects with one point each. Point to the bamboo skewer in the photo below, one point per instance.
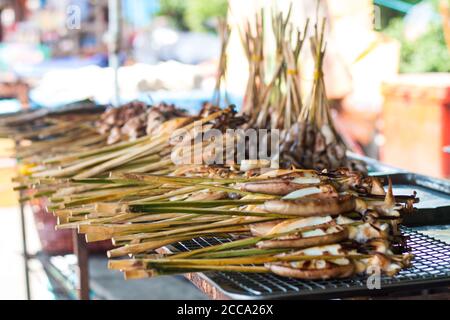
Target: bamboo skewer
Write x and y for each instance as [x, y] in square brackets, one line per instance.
[224, 34]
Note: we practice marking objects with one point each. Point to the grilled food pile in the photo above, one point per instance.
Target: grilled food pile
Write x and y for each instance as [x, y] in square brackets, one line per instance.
[40, 134]
[113, 176]
[296, 223]
[134, 120]
[292, 222]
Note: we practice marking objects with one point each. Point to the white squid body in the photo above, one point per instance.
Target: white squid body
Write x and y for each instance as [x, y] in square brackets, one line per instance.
[334, 249]
[365, 232]
[307, 174]
[290, 225]
[377, 263]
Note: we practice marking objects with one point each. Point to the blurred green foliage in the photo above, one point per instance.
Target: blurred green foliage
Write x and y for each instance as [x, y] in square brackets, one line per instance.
[175, 11]
[428, 53]
[193, 15]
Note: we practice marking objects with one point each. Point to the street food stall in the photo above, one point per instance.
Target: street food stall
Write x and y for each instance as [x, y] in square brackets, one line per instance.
[268, 196]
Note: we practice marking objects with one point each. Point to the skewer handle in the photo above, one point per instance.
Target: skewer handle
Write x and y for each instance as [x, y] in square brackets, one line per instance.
[81, 251]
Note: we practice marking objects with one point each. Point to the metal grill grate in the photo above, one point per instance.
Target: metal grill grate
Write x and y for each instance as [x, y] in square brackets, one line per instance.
[431, 268]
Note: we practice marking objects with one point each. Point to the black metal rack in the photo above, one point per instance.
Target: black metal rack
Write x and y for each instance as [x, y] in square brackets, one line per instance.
[431, 268]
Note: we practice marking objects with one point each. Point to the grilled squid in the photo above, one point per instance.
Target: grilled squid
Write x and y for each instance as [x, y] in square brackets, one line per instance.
[364, 232]
[348, 262]
[307, 207]
[284, 226]
[283, 182]
[383, 263]
[316, 269]
[352, 180]
[309, 238]
[283, 187]
[263, 228]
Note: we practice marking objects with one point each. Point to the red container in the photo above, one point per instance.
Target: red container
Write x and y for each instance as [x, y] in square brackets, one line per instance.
[416, 123]
[59, 242]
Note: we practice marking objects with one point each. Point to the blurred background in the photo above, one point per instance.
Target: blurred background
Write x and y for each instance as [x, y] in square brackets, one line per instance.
[387, 72]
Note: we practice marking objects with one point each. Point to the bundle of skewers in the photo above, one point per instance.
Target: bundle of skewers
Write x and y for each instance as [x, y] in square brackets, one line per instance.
[48, 136]
[281, 100]
[50, 174]
[112, 176]
[300, 223]
[313, 141]
[297, 223]
[224, 31]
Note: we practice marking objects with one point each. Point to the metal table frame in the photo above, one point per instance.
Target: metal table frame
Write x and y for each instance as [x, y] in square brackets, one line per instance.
[80, 250]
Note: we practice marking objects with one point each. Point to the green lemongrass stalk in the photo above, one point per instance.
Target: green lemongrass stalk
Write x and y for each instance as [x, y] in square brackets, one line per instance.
[133, 218]
[95, 152]
[219, 232]
[150, 209]
[36, 196]
[71, 219]
[83, 211]
[242, 243]
[93, 193]
[151, 263]
[201, 204]
[191, 217]
[21, 187]
[128, 167]
[140, 274]
[122, 219]
[79, 189]
[166, 171]
[77, 224]
[60, 145]
[113, 217]
[126, 229]
[144, 160]
[235, 222]
[114, 192]
[108, 197]
[174, 193]
[46, 135]
[139, 244]
[72, 193]
[238, 253]
[153, 166]
[75, 168]
[198, 268]
[233, 190]
[149, 218]
[27, 182]
[108, 180]
[185, 225]
[120, 158]
[49, 181]
[144, 247]
[194, 227]
[155, 145]
[207, 183]
[182, 180]
[214, 255]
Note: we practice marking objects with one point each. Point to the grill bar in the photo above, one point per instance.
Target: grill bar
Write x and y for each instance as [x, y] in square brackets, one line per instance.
[430, 268]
